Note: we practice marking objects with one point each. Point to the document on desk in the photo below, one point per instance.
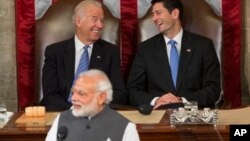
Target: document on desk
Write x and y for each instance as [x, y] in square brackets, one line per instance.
[9, 115]
[138, 118]
[234, 116]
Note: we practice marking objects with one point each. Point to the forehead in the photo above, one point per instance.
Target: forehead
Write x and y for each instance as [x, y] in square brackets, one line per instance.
[158, 7]
[93, 10]
[85, 83]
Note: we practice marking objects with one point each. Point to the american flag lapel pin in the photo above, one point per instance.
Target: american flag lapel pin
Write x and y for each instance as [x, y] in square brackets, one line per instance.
[188, 50]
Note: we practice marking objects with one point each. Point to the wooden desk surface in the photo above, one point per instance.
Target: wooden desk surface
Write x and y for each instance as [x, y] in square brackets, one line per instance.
[148, 132]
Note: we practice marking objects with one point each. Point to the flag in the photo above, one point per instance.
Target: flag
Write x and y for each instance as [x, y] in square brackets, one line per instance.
[231, 52]
[41, 6]
[27, 11]
[25, 49]
[230, 12]
[25, 44]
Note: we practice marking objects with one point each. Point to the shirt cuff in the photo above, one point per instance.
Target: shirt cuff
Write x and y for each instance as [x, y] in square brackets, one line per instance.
[152, 103]
[184, 100]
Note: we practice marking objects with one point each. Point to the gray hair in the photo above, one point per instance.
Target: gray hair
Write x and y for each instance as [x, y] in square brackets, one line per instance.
[103, 83]
[80, 8]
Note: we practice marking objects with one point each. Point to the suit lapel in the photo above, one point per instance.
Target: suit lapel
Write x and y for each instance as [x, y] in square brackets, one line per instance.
[69, 62]
[162, 59]
[187, 49]
[97, 55]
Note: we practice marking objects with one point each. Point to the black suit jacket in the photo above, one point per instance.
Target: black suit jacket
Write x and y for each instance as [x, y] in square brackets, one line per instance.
[58, 72]
[198, 74]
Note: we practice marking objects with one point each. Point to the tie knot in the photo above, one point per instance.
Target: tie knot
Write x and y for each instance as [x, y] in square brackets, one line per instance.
[86, 48]
[172, 42]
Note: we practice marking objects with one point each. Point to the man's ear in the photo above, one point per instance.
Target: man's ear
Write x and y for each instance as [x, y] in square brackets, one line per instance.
[78, 21]
[175, 13]
[102, 98]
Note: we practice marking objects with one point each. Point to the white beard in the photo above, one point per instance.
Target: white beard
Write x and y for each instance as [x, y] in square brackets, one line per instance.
[88, 110]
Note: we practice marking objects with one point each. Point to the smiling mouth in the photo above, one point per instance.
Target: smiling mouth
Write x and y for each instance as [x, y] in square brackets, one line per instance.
[158, 24]
[97, 31]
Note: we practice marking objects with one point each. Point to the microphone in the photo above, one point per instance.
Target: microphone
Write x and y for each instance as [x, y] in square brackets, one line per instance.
[62, 133]
[145, 109]
[88, 127]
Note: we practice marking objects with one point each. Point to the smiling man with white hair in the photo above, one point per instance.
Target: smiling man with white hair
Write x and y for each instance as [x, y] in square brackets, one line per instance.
[90, 117]
[86, 50]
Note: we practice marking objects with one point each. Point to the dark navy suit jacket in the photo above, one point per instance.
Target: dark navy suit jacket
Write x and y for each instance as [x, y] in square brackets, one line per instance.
[198, 74]
[59, 66]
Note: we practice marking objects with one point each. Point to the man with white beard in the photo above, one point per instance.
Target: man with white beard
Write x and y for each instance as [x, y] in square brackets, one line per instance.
[89, 118]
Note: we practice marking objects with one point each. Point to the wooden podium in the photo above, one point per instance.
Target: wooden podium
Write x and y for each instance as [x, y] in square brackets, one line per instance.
[161, 131]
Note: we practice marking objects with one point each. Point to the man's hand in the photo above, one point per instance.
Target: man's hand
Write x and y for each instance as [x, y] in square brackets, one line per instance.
[167, 98]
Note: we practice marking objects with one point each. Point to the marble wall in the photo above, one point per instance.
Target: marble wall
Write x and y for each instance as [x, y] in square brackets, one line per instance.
[245, 60]
[8, 87]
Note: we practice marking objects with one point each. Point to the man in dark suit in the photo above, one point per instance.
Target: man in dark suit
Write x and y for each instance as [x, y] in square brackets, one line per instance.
[153, 80]
[62, 59]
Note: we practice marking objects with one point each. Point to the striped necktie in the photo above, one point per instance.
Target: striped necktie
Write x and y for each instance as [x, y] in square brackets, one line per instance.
[174, 61]
[82, 66]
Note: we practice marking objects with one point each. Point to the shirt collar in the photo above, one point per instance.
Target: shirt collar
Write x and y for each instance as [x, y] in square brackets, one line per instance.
[79, 45]
[177, 38]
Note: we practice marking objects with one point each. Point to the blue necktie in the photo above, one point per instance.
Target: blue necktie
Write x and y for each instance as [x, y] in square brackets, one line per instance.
[174, 60]
[83, 66]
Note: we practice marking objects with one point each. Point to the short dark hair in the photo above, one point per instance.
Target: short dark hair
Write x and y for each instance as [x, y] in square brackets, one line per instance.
[170, 5]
